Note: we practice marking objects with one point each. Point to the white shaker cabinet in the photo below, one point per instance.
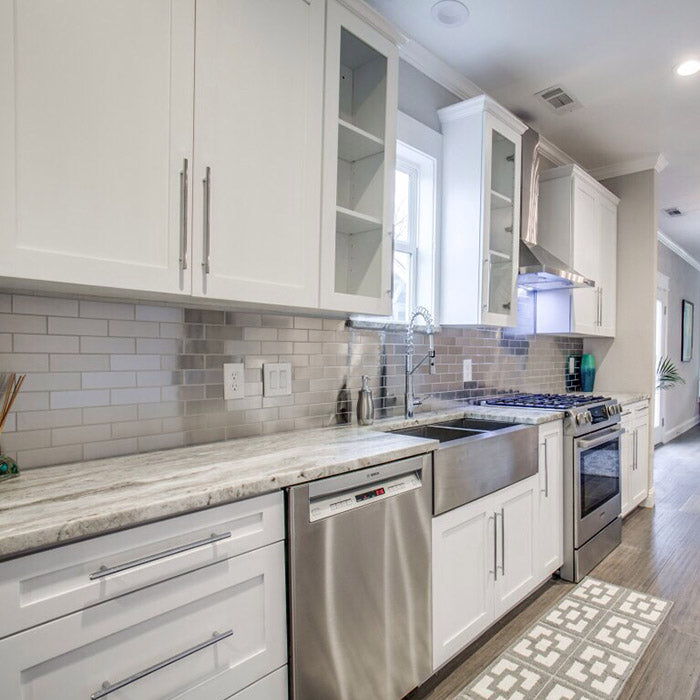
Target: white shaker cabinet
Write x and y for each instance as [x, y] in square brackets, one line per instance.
[257, 136]
[484, 563]
[634, 455]
[550, 539]
[95, 142]
[361, 87]
[480, 213]
[578, 223]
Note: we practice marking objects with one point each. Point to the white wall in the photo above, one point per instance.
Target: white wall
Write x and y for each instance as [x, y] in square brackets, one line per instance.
[684, 283]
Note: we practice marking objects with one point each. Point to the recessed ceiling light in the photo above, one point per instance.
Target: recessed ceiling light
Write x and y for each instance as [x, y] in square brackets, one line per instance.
[687, 68]
[450, 13]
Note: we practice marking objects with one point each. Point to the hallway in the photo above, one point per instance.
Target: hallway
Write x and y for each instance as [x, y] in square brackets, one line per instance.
[660, 555]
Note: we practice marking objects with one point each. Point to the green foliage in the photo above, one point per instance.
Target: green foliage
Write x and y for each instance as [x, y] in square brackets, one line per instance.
[667, 375]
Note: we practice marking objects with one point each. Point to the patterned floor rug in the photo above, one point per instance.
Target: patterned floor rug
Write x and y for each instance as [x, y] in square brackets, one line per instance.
[584, 648]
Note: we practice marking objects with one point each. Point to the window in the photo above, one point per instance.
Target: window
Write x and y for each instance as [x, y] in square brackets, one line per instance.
[416, 215]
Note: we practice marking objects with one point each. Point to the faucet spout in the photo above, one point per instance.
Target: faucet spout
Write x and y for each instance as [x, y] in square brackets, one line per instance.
[409, 397]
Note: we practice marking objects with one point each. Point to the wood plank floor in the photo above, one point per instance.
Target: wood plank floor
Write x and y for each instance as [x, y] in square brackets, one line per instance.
[659, 554]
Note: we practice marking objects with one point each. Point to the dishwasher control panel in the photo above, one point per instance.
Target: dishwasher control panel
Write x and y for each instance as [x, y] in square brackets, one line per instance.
[334, 503]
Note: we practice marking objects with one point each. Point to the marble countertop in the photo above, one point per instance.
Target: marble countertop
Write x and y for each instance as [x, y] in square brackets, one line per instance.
[53, 505]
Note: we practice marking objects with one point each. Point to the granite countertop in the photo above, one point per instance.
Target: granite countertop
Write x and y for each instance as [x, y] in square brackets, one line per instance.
[53, 505]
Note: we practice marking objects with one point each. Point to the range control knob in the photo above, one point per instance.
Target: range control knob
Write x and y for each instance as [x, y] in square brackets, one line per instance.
[580, 418]
[588, 417]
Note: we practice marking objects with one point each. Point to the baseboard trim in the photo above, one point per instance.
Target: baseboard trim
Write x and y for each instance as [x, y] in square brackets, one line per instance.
[649, 501]
[683, 427]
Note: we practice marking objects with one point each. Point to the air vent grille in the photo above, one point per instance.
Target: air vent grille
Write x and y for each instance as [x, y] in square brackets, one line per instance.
[673, 211]
[558, 99]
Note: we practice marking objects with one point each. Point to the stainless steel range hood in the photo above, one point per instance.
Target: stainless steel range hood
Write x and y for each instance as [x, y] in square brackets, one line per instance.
[539, 269]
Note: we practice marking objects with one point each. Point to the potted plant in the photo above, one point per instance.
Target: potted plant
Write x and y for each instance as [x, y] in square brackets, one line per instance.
[667, 375]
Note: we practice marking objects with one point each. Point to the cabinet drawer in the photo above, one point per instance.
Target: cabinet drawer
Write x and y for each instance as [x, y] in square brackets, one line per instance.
[43, 586]
[201, 636]
[272, 687]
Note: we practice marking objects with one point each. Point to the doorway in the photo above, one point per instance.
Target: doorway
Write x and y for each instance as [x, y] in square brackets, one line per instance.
[662, 286]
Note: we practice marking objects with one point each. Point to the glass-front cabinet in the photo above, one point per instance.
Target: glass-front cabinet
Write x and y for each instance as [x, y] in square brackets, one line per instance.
[359, 158]
[481, 213]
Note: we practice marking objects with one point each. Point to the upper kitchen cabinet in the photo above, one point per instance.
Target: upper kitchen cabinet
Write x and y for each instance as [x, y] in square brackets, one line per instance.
[358, 165]
[480, 213]
[96, 142]
[578, 223]
[257, 135]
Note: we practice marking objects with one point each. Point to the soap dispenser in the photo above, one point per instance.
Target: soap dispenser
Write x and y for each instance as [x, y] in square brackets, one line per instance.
[365, 404]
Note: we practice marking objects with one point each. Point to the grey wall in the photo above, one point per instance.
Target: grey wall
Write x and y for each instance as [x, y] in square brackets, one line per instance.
[109, 378]
[684, 283]
[420, 97]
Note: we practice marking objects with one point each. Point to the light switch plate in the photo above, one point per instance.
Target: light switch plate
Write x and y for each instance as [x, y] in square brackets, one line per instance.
[466, 370]
[277, 379]
[234, 381]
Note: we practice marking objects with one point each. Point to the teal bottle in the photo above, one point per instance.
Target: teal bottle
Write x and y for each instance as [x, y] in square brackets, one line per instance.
[587, 372]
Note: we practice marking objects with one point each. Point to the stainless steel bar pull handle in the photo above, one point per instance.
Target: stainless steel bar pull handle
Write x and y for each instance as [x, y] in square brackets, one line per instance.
[503, 542]
[184, 188]
[206, 223]
[108, 571]
[108, 687]
[495, 547]
[546, 470]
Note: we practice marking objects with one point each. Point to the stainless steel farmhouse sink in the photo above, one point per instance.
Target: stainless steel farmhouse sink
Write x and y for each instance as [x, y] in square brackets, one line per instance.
[477, 457]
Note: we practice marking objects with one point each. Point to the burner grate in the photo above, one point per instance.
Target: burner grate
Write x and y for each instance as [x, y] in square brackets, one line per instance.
[545, 401]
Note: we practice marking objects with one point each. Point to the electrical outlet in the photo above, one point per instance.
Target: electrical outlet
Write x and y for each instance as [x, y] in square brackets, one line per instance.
[466, 370]
[234, 381]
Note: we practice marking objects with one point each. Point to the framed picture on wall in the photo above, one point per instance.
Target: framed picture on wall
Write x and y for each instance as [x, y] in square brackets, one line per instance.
[687, 327]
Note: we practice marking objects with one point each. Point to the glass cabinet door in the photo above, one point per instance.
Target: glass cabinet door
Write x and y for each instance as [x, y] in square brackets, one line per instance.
[502, 234]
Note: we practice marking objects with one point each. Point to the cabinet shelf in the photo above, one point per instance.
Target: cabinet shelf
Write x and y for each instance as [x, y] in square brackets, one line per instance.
[503, 256]
[355, 143]
[349, 221]
[500, 201]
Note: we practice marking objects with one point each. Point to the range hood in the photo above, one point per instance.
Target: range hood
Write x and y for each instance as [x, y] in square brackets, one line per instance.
[539, 270]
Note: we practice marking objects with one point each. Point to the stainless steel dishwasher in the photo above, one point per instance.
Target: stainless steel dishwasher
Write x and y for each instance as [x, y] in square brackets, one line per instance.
[359, 583]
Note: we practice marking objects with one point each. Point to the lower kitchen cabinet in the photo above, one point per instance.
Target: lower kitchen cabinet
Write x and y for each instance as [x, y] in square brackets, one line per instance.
[550, 510]
[484, 563]
[272, 687]
[634, 456]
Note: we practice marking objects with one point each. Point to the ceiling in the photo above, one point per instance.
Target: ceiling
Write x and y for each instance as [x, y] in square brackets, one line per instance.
[614, 56]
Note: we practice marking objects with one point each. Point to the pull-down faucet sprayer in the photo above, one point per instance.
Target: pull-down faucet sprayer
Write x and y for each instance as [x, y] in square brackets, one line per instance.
[409, 398]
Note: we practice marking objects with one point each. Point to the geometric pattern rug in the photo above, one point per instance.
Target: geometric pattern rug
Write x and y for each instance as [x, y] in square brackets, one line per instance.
[584, 648]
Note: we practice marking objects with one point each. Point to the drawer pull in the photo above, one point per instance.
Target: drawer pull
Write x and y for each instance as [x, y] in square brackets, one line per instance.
[108, 571]
[108, 687]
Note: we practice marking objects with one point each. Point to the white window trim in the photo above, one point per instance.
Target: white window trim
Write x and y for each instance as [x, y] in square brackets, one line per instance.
[417, 142]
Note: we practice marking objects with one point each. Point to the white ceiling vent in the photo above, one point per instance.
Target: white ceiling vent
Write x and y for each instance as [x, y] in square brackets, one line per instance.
[558, 99]
[673, 211]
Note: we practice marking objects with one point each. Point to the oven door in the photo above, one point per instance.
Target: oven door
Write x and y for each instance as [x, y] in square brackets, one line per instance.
[596, 482]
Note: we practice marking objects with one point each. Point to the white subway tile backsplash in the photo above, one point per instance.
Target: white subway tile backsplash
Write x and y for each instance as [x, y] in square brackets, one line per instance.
[163, 346]
[108, 380]
[135, 329]
[51, 381]
[81, 435]
[109, 414]
[110, 448]
[72, 399]
[5, 342]
[17, 323]
[76, 326]
[133, 362]
[78, 363]
[126, 396]
[107, 345]
[49, 455]
[36, 420]
[5, 303]
[160, 313]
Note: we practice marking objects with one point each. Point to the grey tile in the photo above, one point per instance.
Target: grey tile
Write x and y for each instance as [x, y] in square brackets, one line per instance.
[110, 448]
[158, 378]
[76, 326]
[134, 362]
[79, 363]
[16, 323]
[172, 314]
[47, 456]
[81, 435]
[26, 440]
[109, 414]
[75, 399]
[277, 321]
[38, 420]
[44, 306]
[259, 334]
[50, 381]
[127, 396]
[308, 323]
[5, 303]
[134, 329]
[106, 310]
[168, 409]
[204, 316]
[107, 345]
[5, 342]
[45, 343]
[158, 346]
[161, 442]
[138, 428]
[108, 380]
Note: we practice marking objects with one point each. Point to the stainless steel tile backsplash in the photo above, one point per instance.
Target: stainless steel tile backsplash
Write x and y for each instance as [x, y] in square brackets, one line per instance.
[108, 378]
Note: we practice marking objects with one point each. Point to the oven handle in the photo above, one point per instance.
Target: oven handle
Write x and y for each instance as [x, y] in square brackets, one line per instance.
[608, 436]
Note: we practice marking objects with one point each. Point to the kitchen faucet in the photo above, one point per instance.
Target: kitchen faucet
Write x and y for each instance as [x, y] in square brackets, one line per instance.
[409, 399]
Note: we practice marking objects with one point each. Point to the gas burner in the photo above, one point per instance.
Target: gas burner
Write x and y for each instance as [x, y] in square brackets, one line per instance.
[558, 402]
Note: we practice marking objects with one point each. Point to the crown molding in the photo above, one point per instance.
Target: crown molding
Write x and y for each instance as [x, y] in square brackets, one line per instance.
[655, 161]
[375, 20]
[436, 69]
[680, 252]
[554, 153]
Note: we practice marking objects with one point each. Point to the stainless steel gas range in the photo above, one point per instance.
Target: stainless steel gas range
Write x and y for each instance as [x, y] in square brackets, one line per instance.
[592, 501]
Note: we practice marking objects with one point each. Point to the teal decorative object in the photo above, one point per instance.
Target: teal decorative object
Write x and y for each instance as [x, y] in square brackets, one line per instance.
[8, 468]
[10, 384]
[587, 372]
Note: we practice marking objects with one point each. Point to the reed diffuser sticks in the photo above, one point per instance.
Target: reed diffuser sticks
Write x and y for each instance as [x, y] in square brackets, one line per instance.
[10, 384]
